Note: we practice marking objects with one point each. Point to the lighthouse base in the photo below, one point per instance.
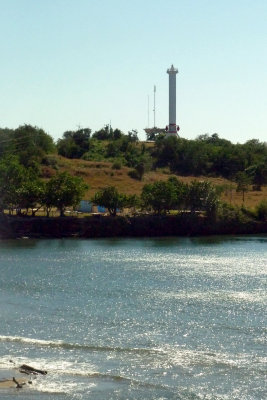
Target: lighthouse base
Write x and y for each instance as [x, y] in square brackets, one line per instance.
[172, 130]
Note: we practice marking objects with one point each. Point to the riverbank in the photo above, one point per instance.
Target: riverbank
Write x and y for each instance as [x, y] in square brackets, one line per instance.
[12, 227]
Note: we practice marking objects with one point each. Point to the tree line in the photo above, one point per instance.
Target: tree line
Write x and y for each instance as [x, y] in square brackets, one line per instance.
[161, 197]
[207, 155]
[23, 151]
[22, 189]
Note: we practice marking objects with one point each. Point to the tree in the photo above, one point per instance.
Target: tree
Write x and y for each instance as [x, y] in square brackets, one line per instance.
[117, 134]
[202, 196]
[111, 199]
[160, 196]
[243, 181]
[105, 133]
[64, 190]
[143, 165]
[261, 210]
[74, 143]
[32, 193]
[31, 144]
[258, 174]
[6, 141]
[133, 135]
[12, 178]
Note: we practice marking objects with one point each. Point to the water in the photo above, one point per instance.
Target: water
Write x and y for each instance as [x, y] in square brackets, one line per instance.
[135, 319]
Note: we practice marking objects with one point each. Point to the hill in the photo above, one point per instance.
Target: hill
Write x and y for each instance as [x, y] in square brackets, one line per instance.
[110, 157]
[101, 174]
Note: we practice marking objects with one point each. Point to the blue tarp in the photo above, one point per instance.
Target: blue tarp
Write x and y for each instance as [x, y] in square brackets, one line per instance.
[85, 206]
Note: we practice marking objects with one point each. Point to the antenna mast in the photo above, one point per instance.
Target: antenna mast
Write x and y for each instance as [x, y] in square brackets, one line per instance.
[154, 106]
[148, 110]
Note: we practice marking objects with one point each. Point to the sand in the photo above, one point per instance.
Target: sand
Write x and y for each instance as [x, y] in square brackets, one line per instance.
[9, 383]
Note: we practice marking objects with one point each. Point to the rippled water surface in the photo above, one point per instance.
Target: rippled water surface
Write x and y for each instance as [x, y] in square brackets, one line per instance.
[170, 318]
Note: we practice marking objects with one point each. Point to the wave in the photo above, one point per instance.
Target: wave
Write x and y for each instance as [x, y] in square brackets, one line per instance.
[73, 346]
[67, 376]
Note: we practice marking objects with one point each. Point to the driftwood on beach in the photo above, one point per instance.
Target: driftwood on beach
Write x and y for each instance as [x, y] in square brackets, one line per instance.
[19, 382]
[11, 383]
[19, 385]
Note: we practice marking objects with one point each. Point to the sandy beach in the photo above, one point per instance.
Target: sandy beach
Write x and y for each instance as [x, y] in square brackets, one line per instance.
[7, 377]
[7, 382]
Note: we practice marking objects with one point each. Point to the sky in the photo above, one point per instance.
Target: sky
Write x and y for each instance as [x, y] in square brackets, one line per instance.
[66, 64]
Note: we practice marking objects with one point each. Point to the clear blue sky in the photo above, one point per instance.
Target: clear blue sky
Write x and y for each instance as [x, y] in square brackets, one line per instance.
[69, 63]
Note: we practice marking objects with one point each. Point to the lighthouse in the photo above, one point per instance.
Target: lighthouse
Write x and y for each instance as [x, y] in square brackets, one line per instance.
[172, 128]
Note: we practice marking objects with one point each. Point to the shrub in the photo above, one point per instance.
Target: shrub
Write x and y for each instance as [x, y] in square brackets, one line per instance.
[133, 174]
[261, 210]
[231, 214]
[116, 165]
[50, 161]
[47, 172]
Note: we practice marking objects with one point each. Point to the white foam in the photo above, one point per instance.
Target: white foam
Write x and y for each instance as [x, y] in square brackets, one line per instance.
[60, 377]
[31, 341]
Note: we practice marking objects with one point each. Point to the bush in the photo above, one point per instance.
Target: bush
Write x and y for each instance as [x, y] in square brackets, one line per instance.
[133, 174]
[261, 210]
[50, 161]
[231, 214]
[116, 165]
[96, 151]
[47, 172]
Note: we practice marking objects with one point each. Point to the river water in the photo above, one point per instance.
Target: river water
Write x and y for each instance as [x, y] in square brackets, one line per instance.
[168, 318]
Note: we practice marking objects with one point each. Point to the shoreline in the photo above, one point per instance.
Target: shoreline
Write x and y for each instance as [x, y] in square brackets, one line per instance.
[10, 384]
[14, 227]
[7, 375]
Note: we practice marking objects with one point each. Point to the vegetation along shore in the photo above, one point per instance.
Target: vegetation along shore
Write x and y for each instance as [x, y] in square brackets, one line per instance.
[164, 186]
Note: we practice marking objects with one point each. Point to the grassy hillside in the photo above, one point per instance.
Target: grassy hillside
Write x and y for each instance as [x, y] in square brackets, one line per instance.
[100, 174]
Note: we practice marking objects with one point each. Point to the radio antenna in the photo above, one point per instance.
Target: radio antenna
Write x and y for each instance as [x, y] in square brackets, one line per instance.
[154, 106]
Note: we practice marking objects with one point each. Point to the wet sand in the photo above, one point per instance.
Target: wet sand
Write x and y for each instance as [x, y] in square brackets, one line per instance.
[9, 383]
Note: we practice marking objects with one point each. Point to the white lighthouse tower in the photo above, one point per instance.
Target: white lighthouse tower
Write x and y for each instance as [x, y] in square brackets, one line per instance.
[172, 128]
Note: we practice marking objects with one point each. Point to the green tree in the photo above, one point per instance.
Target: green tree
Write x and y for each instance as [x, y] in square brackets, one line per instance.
[106, 133]
[31, 144]
[96, 151]
[133, 135]
[117, 134]
[74, 143]
[202, 196]
[6, 142]
[32, 193]
[166, 150]
[63, 190]
[110, 198]
[243, 181]
[258, 174]
[143, 164]
[261, 210]
[161, 196]
[12, 178]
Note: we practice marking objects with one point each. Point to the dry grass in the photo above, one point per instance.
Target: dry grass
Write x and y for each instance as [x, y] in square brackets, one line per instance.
[100, 174]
